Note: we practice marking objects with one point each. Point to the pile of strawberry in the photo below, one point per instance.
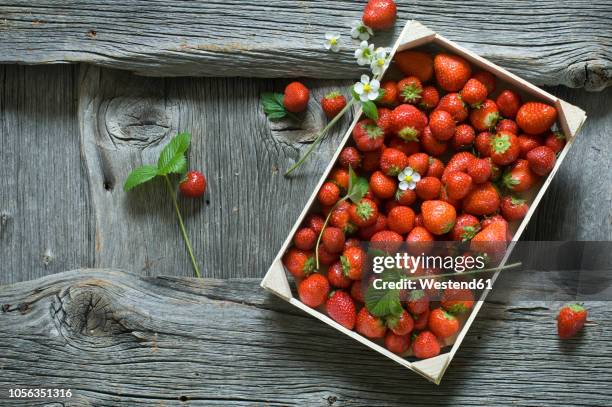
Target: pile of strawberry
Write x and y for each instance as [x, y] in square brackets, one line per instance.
[447, 159]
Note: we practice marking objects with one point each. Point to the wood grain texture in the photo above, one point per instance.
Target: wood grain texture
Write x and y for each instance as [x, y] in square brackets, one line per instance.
[44, 206]
[546, 42]
[118, 339]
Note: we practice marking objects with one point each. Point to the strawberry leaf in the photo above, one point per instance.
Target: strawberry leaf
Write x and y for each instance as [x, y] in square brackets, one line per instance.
[139, 176]
[384, 303]
[370, 110]
[273, 105]
[358, 186]
[172, 158]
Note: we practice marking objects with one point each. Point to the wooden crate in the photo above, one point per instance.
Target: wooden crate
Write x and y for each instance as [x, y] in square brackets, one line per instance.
[570, 120]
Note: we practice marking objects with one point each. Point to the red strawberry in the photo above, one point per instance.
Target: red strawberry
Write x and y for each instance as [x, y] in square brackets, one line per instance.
[364, 212]
[541, 160]
[367, 232]
[491, 239]
[458, 184]
[387, 241]
[436, 168]
[406, 197]
[314, 222]
[464, 136]
[429, 98]
[313, 290]
[379, 14]
[442, 125]
[194, 184]
[483, 143]
[357, 291]
[431, 144]
[443, 324]
[556, 141]
[519, 178]
[332, 104]
[507, 125]
[328, 194]
[457, 300]
[406, 147]
[453, 104]
[420, 239]
[369, 326]
[408, 122]
[341, 308]
[350, 156]
[452, 71]
[428, 188]
[401, 219]
[352, 262]
[326, 258]
[465, 227]
[368, 136]
[419, 162]
[382, 186]
[390, 96]
[418, 302]
[336, 276]
[570, 320]
[352, 242]
[487, 79]
[371, 160]
[456, 203]
[439, 216]
[415, 63]
[398, 344]
[425, 345]
[485, 117]
[513, 208]
[483, 199]
[480, 170]
[508, 103]
[305, 239]
[528, 142]
[296, 97]
[333, 239]
[385, 117]
[505, 148]
[299, 263]
[402, 324]
[421, 320]
[341, 218]
[536, 117]
[458, 162]
[393, 161]
[340, 177]
[474, 92]
[410, 90]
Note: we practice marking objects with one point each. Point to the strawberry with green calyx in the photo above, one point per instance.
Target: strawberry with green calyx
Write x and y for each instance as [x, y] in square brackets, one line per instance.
[541, 160]
[536, 117]
[429, 98]
[401, 324]
[398, 344]
[379, 14]
[369, 326]
[556, 141]
[486, 116]
[299, 263]
[457, 300]
[452, 71]
[483, 199]
[364, 212]
[332, 104]
[352, 261]
[513, 208]
[393, 161]
[304, 239]
[410, 90]
[570, 320]
[341, 308]
[425, 345]
[313, 290]
[415, 63]
[474, 92]
[336, 276]
[439, 216]
[519, 177]
[509, 103]
[368, 136]
[505, 148]
[442, 324]
[453, 104]
[465, 228]
[408, 122]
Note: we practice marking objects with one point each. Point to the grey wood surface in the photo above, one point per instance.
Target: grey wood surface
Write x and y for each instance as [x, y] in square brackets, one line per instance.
[114, 337]
[548, 42]
[62, 194]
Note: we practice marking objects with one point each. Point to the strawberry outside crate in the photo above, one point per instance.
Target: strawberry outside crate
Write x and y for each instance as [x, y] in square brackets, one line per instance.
[570, 120]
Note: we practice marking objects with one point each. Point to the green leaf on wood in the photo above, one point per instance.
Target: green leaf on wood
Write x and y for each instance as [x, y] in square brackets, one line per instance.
[273, 105]
[370, 110]
[172, 158]
[139, 176]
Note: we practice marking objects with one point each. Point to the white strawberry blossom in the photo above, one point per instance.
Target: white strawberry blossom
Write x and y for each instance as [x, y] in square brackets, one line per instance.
[380, 62]
[360, 31]
[364, 53]
[366, 89]
[408, 178]
[332, 42]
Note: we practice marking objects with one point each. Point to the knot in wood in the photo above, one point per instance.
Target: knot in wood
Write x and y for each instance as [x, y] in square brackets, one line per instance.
[136, 122]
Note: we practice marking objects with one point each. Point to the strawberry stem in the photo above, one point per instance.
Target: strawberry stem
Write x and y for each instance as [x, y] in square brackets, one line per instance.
[319, 137]
[172, 193]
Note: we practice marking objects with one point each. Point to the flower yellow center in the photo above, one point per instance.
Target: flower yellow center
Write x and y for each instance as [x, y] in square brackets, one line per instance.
[381, 62]
[333, 41]
[367, 87]
[408, 178]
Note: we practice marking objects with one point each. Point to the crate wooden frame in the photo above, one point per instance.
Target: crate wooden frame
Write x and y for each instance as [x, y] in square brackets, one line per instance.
[570, 119]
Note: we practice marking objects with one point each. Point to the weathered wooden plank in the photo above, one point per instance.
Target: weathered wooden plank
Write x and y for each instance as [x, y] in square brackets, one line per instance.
[115, 338]
[546, 42]
[44, 211]
[126, 120]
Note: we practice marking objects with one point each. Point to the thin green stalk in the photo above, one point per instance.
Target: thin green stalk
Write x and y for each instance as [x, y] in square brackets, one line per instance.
[319, 137]
[172, 193]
